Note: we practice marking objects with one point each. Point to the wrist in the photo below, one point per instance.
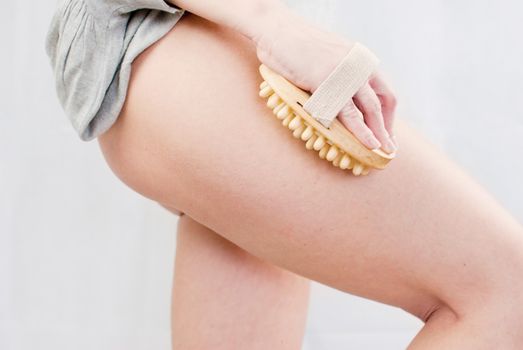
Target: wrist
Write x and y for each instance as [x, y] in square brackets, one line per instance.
[263, 20]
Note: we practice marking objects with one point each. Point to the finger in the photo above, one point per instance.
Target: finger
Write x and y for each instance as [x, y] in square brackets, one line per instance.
[367, 101]
[351, 117]
[388, 102]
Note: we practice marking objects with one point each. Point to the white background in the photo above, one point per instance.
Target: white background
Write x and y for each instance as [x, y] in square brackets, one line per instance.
[85, 263]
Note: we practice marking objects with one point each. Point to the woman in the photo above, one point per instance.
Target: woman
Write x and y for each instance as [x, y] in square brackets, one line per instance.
[263, 216]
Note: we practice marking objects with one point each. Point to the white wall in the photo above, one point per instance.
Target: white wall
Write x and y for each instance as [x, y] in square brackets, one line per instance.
[86, 264]
[456, 66]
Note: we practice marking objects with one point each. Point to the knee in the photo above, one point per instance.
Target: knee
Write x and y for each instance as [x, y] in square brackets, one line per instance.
[497, 301]
[490, 290]
[503, 284]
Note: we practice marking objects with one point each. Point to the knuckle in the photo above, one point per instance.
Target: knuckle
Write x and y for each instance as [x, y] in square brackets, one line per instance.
[350, 108]
[375, 107]
[365, 94]
[371, 102]
[355, 116]
[351, 113]
[392, 101]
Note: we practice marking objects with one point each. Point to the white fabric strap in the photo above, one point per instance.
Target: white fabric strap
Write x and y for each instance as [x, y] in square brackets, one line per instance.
[341, 85]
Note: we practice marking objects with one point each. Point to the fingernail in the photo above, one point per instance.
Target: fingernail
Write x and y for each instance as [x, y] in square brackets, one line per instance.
[389, 146]
[395, 140]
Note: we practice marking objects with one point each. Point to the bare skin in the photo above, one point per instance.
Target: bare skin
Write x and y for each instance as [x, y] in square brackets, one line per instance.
[220, 290]
[305, 54]
[422, 235]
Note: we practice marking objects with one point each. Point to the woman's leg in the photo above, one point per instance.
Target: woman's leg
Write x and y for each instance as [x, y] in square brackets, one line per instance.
[421, 235]
[225, 298]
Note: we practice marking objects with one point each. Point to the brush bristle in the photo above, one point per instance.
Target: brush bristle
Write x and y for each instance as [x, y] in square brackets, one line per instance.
[314, 139]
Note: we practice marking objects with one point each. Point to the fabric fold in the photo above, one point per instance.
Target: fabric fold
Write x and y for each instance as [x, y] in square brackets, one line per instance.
[91, 45]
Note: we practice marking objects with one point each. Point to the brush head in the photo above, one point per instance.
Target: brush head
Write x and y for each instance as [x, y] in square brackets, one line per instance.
[335, 144]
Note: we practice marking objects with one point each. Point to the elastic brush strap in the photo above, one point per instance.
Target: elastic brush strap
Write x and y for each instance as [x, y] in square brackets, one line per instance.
[341, 85]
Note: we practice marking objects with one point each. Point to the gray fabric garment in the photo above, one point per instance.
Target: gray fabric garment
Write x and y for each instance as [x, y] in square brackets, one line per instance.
[91, 45]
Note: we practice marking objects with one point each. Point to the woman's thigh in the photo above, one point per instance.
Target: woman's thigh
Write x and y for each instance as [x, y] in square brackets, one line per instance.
[194, 135]
[240, 301]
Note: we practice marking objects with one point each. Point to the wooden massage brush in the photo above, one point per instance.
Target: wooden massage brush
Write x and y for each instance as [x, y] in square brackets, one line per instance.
[325, 133]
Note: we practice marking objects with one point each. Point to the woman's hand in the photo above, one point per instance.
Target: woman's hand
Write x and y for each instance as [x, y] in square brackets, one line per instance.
[306, 55]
